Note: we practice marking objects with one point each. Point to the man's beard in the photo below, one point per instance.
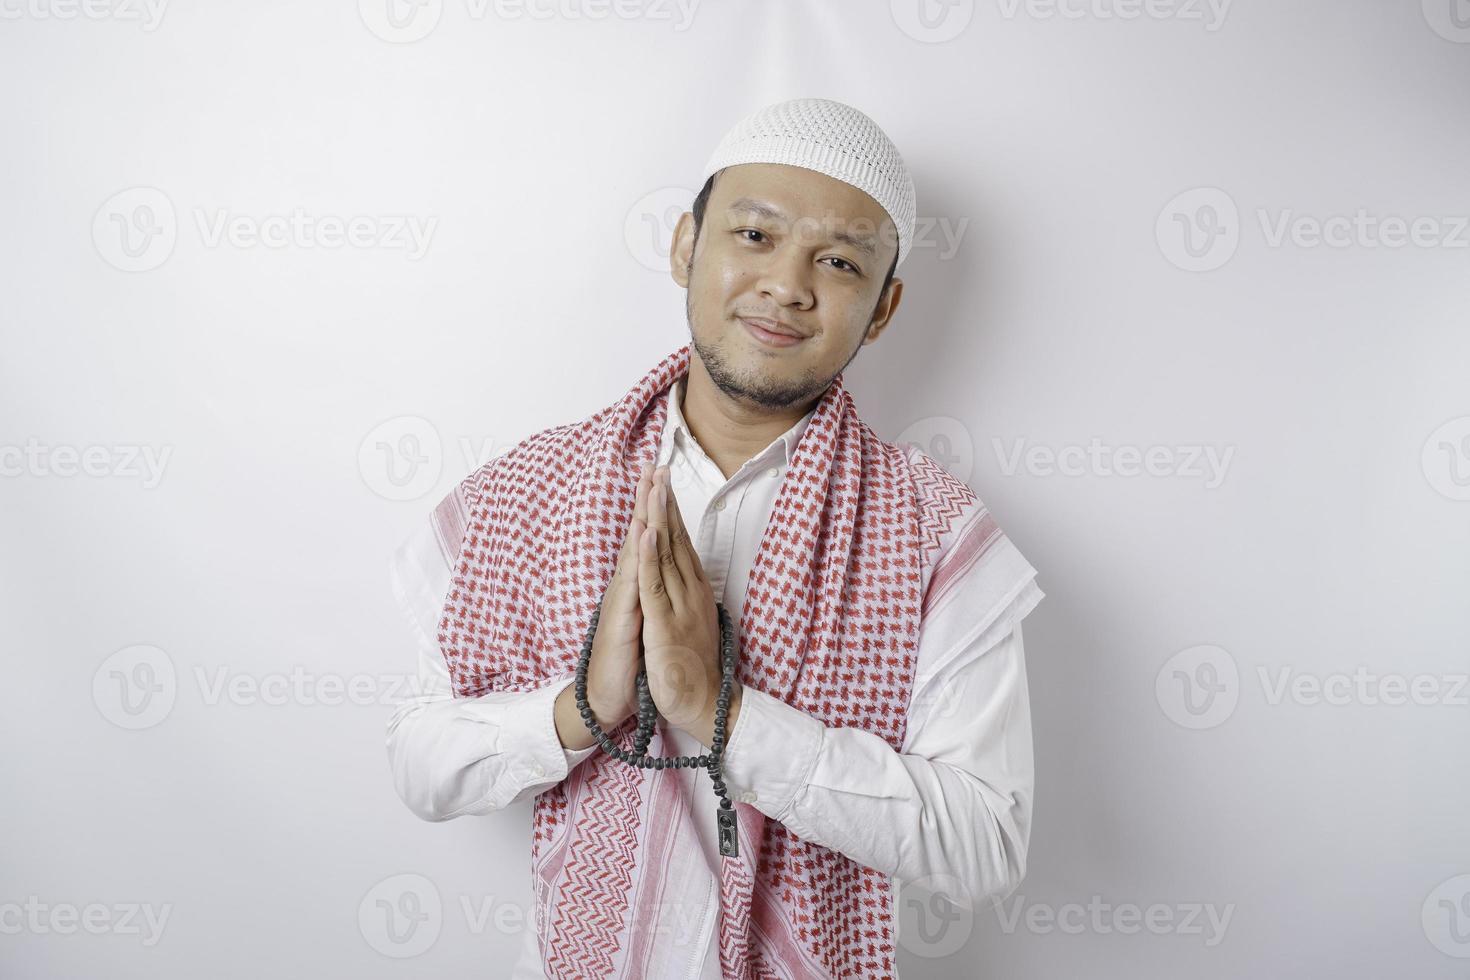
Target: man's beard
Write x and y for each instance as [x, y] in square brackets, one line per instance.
[765, 392]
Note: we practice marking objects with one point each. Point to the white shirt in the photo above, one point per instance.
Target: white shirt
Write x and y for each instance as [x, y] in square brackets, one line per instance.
[955, 802]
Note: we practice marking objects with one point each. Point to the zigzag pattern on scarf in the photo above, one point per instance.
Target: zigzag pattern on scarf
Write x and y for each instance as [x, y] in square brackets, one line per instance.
[944, 498]
[598, 882]
[735, 903]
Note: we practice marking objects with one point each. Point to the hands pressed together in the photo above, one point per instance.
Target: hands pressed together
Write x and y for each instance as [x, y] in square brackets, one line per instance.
[659, 599]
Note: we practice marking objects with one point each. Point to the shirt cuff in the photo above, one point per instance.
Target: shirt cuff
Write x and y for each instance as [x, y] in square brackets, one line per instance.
[770, 755]
[529, 736]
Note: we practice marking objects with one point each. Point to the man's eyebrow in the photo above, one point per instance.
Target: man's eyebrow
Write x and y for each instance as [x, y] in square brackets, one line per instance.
[860, 242]
[749, 205]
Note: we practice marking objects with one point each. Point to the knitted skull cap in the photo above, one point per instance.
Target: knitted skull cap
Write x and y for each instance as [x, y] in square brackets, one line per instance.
[831, 138]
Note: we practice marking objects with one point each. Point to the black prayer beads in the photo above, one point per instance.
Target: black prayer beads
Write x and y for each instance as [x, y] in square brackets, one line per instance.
[648, 717]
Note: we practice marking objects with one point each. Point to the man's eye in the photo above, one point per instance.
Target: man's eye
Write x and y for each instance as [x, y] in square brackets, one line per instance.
[751, 231]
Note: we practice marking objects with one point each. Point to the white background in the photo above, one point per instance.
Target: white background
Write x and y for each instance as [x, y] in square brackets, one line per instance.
[1052, 303]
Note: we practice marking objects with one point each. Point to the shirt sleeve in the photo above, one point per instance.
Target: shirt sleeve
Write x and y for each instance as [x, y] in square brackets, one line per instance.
[956, 802]
[454, 756]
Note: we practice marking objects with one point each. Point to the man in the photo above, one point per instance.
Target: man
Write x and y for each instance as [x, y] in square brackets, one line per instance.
[878, 726]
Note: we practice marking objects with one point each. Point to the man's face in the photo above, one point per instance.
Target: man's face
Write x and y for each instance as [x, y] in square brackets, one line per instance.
[784, 244]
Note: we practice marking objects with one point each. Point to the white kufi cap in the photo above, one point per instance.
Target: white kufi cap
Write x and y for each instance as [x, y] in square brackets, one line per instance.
[831, 138]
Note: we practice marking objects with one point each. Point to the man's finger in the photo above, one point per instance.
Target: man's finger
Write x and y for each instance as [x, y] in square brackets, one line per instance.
[640, 499]
[639, 521]
[628, 557]
[658, 519]
[624, 585]
[651, 590]
[679, 541]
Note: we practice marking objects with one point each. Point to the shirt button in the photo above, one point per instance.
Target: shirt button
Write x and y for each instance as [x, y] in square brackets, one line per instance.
[538, 770]
[774, 471]
[748, 796]
[720, 504]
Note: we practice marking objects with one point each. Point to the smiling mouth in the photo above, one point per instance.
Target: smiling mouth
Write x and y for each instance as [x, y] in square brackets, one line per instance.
[769, 337]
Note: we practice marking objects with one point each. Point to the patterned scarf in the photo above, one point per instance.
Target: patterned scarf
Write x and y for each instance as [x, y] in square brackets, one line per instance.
[830, 625]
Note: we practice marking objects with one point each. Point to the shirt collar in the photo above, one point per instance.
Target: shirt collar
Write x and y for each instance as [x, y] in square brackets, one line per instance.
[675, 428]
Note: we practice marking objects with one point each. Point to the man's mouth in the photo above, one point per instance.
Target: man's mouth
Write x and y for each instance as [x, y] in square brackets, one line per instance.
[770, 333]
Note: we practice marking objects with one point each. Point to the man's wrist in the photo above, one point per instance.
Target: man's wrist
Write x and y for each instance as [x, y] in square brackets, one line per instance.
[571, 727]
[704, 729]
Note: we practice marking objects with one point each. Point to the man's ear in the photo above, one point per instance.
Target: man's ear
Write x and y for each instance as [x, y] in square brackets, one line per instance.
[883, 312]
[681, 250]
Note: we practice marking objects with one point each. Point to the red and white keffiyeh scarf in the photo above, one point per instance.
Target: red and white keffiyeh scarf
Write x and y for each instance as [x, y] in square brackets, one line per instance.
[830, 625]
